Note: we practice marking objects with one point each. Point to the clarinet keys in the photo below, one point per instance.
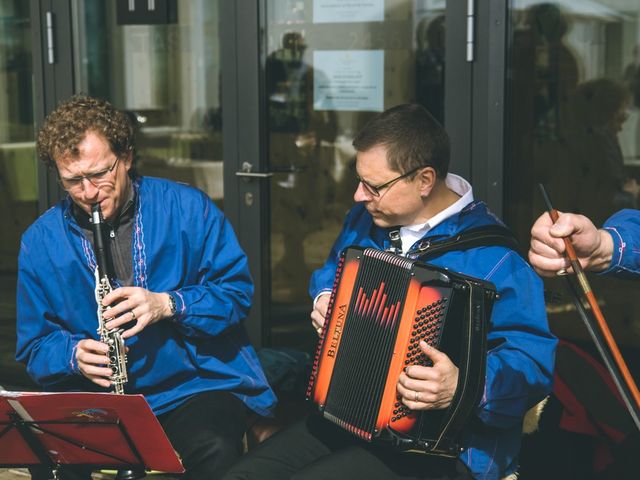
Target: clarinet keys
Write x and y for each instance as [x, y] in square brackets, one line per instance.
[117, 360]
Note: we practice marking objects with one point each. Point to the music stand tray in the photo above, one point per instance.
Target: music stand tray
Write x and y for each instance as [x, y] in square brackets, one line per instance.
[101, 430]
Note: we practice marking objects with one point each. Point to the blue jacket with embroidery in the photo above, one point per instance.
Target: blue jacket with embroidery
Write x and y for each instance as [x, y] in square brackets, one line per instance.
[624, 228]
[520, 363]
[182, 244]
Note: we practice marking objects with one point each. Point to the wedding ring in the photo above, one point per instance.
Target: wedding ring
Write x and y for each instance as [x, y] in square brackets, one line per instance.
[561, 272]
[416, 397]
[133, 315]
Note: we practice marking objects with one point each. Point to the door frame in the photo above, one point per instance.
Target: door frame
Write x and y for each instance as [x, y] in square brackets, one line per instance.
[488, 104]
[244, 116]
[53, 76]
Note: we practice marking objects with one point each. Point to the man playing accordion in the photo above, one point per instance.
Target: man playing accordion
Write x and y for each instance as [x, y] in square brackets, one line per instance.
[404, 186]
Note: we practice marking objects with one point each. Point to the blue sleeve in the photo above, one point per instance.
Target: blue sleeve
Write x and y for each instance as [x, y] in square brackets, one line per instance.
[521, 359]
[624, 228]
[322, 278]
[221, 296]
[43, 343]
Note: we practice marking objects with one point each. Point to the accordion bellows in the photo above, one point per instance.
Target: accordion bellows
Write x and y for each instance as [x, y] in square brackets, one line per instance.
[381, 306]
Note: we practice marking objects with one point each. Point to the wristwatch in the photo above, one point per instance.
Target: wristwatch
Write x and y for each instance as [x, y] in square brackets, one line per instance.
[172, 304]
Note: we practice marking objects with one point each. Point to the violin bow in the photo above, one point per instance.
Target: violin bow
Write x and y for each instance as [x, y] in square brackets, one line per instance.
[597, 326]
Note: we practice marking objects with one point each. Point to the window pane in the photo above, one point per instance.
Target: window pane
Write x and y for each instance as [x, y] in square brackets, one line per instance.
[18, 175]
[166, 74]
[574, 106]
[330, 67]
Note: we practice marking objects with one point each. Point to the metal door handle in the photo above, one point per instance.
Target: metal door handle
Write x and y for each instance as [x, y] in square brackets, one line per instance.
[247, 173]
[254, 174]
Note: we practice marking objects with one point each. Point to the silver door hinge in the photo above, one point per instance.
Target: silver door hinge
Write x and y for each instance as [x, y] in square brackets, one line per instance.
[51, 56]
[470, 30]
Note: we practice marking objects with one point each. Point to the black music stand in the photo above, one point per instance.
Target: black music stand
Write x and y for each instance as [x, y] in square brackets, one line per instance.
[92, 430]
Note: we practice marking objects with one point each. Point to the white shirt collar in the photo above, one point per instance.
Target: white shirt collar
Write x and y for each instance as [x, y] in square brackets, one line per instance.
[412, 233]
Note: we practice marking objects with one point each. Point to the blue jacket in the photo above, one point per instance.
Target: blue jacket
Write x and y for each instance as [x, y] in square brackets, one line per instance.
[519, 366]
[182, 243]
[624, 228]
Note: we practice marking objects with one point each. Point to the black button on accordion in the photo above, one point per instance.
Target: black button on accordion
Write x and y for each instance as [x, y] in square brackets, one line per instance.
[381, 306]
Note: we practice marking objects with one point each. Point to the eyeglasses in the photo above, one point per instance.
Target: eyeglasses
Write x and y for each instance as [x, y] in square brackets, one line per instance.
[375, 190]
[96, 178]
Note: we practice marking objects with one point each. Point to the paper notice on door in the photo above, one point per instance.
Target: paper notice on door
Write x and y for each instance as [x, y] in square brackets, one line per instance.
[341, 11]
[348, 80]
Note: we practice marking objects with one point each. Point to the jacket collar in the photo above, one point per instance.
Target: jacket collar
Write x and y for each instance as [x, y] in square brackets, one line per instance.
[475, 214]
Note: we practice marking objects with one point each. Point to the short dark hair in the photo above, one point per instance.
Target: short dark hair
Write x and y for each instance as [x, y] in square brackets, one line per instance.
[412, 136]
[67, 125]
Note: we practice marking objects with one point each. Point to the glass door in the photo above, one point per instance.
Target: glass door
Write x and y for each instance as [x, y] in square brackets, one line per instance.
[162, 65]
[329, 67]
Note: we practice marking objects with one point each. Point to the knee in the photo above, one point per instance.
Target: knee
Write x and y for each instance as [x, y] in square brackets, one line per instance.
[210, 456]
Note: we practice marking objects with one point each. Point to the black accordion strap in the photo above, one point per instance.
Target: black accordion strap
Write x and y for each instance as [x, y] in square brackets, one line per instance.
[488, 235]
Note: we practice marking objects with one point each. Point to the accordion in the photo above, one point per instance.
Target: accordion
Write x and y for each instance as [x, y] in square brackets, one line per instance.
[380, 308]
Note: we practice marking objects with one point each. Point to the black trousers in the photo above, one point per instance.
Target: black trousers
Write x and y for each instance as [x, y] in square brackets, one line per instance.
[206, 431]
[316, 449]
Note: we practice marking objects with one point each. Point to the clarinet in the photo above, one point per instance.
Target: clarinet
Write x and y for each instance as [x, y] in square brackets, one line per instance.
[113, 338]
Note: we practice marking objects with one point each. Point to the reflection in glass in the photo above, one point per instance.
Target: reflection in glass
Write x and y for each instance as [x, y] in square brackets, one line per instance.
[18, 169]
[598, 110]
[167, 76]
[430, 65]
[310, 135]
[302, 190]
[18, 177]
[573, 124]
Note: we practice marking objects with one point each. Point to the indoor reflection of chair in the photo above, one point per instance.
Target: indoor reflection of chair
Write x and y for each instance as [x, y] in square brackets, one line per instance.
[5, 196]
[205, 175]
[18, 197]
[18, 171]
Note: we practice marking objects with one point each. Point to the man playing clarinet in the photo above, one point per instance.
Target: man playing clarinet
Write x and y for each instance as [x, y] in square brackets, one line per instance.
[181, 289]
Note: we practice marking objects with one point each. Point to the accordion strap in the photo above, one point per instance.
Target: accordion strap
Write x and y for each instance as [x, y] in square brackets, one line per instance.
[486, 236]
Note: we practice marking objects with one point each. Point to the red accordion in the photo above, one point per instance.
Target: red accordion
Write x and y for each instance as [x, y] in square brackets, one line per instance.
[381, 306]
